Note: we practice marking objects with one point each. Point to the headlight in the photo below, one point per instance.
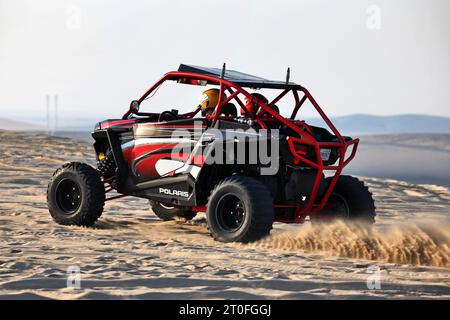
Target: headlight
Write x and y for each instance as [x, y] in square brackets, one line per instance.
[101, 156]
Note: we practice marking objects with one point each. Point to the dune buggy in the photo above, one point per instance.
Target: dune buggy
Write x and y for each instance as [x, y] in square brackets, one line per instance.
[144, 155]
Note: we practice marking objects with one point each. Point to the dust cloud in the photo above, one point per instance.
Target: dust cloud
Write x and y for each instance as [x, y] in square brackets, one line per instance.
[426, 244]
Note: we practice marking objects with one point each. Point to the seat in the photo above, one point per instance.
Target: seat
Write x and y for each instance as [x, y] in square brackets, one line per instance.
[229, 110]
[274, 108]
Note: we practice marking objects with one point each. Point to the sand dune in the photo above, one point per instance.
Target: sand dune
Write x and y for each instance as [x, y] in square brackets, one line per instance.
[132, 254]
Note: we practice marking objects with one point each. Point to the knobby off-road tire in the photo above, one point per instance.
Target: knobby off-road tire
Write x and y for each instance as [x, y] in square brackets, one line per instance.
[240, 209]
[167, 212]
[76, 195]
[354, 199]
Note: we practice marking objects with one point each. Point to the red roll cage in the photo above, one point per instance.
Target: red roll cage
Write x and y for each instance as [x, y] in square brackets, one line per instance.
[233, 90]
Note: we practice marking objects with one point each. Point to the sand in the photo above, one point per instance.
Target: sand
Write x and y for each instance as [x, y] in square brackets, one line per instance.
[131, 254]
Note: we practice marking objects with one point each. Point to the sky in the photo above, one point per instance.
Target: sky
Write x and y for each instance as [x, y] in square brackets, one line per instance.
[355, 56]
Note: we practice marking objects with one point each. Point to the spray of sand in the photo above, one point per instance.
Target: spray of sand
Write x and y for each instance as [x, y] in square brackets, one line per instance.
[425, 244]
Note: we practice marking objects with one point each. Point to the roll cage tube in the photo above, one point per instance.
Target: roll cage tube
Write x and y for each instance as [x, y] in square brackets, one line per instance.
[301, 211]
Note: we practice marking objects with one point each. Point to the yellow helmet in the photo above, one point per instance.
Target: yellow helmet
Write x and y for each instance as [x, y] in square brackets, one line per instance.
[209, 100]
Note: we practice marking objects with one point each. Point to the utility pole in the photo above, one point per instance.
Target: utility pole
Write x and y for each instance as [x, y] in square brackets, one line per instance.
[47, 98]
[51, 127]
[55, 102]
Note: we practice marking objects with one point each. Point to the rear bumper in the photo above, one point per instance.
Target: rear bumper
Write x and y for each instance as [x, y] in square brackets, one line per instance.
[346, 151]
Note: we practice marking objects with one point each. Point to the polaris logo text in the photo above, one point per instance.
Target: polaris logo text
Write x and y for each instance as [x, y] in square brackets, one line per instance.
[178, 193]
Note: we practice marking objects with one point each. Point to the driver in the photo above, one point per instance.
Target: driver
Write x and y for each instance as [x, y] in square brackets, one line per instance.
[252, 106]
[210, 99]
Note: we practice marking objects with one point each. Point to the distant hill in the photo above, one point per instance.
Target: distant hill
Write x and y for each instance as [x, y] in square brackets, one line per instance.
[8, 124]
[424, 141]
[351, 124]
[369, 124]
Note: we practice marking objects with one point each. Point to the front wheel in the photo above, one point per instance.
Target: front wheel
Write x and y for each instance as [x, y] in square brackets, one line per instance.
[240, 209]
[350, 200]
[76, 195]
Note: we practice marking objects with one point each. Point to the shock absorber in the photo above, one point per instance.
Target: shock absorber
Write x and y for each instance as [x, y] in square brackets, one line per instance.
[107, 167]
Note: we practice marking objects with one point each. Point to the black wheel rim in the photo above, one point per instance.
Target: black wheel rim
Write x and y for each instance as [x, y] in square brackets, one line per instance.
[230, 213]
[337, 207]
[68, 196]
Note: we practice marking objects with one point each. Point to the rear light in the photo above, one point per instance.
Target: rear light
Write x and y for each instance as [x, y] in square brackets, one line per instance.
[325, 154]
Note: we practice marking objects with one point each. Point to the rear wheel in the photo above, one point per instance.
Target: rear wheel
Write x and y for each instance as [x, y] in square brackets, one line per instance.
[167, 212]
[240, 209]
[76, 195]
[350, 200]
